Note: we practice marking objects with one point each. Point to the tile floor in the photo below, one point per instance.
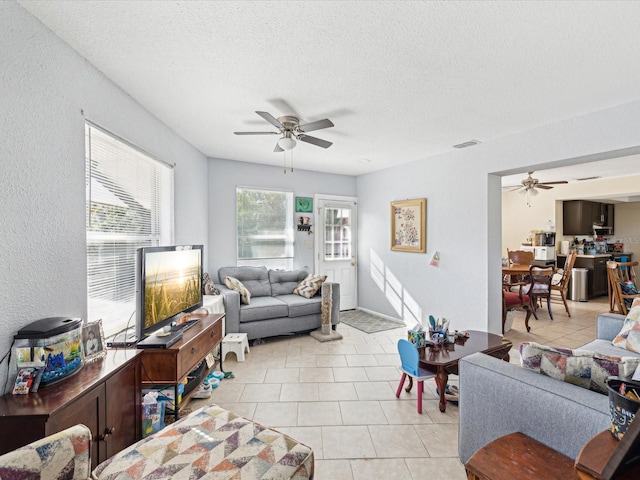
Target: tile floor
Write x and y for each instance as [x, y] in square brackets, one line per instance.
[339, 397]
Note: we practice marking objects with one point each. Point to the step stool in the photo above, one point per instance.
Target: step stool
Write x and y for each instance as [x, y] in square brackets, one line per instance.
[237, 343]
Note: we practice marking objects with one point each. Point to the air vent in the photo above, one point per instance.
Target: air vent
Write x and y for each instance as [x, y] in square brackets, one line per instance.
[586, 178]
[470, 143]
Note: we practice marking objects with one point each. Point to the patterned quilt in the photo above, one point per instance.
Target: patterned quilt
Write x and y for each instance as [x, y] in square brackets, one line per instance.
[211, 443]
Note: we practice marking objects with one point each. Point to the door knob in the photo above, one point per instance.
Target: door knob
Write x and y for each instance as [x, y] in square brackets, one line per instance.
[353, 264]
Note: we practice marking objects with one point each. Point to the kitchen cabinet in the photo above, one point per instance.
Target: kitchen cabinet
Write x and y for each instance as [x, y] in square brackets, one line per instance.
[579, 216]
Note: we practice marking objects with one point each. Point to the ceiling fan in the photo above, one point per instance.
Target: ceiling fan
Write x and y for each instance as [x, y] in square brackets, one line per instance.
[290, 130]
[530, 185]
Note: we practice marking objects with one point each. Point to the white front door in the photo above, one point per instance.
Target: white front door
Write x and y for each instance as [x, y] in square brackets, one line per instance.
[336, 245]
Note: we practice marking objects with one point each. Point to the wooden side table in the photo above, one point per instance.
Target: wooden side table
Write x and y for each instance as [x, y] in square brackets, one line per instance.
[517, 456]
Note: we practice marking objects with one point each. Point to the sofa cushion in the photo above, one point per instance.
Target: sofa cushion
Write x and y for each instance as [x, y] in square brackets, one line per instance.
[629, 336]
[237, 285]
[256, 279]
[284, 282]
[583, 368]
[299, 306]
[263, 308]
[310, 285]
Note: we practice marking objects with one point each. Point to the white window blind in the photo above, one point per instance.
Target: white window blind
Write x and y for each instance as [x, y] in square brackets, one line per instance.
[264, 220]
[129, 205]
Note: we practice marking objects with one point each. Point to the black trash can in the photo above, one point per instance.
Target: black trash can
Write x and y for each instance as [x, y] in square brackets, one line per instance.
[621, 408]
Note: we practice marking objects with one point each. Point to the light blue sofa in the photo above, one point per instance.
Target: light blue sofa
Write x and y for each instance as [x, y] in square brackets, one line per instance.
[273, 309]
[498, 398]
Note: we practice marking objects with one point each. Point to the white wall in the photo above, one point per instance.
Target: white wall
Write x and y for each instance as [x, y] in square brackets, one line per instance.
[464, 217]
[226, 175]
[46, 92]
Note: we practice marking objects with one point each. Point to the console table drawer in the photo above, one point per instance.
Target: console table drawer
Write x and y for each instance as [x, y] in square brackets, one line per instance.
[199, 347]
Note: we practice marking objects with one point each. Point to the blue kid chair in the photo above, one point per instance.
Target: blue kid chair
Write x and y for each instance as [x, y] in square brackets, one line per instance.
[409, 359]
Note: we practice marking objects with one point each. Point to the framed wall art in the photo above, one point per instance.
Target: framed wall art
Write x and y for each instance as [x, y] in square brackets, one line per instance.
[304, 204]
[409, 225]
[93, 341]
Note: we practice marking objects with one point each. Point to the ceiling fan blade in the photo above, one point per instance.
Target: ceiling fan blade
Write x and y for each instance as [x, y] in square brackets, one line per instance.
[278, 148]
[314, 141]
[256, 133]
[317, 125]
[271, 119]
[543, 186]
[553, 183]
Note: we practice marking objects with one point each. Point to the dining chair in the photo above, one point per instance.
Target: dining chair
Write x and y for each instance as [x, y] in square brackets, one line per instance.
[515, 301]
[539, 287]
[519, 257]
[560, 283]
[622, 285]
[410, 365]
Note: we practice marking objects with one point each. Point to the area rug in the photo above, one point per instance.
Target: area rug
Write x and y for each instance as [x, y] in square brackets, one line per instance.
[367, 322]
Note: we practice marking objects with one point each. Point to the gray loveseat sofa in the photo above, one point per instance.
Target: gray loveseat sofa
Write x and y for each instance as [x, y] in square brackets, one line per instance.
[498, 398]
[273, 309]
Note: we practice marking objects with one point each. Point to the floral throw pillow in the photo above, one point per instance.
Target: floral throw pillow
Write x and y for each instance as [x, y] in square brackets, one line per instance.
[583, 368]
[208, 287]
[629, 336]
[308, 287]
[235, 284]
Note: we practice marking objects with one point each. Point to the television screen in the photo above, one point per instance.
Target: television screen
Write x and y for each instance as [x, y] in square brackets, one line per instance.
[170, 284]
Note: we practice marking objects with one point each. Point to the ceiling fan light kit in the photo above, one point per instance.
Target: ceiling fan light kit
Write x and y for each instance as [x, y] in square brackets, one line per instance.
[291, 131]
[531, 185]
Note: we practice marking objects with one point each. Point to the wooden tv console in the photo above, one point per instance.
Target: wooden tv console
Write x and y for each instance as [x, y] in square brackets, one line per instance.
[169, 366]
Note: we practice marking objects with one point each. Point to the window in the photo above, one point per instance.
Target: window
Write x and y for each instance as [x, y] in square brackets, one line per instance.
[264, 220]
[129, 205]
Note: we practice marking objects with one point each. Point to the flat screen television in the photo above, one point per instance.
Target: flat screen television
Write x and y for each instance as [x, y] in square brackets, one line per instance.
[168, 285]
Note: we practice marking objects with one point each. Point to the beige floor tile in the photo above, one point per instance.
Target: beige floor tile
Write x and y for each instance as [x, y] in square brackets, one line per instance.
[319, 414]
[277, 414]
[227, 392]
[335, 348]
[364, 360]
[404, 412]
[260, 392]
[331, 361]
[350, 374]
[247, 375]
[380, 469]
[388, 359]
[449, 468]
[336, 391]
[369, 349]
[374, 391]
[392, 441]
[440, 440]
[310, 436]
[316, 374]
[362, 413]
[347, 442]
[301, 361]
[383, 373]
[282, 375]
[246, 410]
[333, 470]
[299, 392]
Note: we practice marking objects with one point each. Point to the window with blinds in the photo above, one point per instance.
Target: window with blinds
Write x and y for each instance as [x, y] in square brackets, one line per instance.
[264, 220]
[129, 205]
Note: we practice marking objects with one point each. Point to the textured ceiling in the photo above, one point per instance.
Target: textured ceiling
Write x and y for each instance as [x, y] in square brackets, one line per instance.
[400, 80]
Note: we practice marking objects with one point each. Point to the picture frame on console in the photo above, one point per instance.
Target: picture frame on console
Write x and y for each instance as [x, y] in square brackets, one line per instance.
[93, 343]
[409, 225]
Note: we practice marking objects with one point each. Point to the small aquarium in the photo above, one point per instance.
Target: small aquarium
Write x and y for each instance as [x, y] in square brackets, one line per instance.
[51, 344]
